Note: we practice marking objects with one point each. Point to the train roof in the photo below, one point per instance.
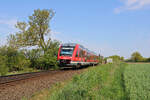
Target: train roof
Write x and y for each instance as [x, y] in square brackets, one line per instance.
[69, 44]
[81, 46]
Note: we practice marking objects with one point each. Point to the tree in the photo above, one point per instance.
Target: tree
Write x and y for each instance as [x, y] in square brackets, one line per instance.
[33, 32]
[136, 57]
[148, 59]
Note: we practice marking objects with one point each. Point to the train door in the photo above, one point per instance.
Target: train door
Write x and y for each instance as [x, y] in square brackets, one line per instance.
[77, 56]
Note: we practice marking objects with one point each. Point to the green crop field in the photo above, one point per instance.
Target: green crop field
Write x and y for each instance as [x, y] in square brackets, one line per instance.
[118, 81]
[137, 81]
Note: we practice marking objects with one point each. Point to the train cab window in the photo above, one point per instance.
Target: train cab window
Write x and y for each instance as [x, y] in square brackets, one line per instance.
[66, 51]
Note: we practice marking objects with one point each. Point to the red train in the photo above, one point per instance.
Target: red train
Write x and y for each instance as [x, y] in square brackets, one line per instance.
[75, 55]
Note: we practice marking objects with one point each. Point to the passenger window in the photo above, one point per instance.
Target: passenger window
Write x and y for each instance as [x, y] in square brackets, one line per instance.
[77, 53]
[81, 53]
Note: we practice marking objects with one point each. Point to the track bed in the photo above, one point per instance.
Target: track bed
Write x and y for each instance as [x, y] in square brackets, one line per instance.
[15, 87]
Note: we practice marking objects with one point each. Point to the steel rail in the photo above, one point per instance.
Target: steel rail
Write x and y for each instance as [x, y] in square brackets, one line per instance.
[23, 76]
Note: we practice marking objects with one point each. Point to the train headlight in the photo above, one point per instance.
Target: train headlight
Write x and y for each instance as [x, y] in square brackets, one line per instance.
[58, 61]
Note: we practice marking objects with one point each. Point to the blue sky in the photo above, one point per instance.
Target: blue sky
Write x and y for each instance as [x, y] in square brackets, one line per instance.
[107, 27]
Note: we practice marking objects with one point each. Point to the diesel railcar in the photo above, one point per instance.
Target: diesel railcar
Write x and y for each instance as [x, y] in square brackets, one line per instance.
[75, 55]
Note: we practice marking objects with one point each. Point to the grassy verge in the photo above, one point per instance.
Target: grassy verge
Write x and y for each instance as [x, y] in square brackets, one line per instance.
[98, 83]
[113, 88]
[45, 93]
[27, 70]
[23, 71]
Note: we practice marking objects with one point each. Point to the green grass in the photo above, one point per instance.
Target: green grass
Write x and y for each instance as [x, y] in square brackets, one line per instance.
[23, 71]
[137, 81]
[98, 83]
[113, 88]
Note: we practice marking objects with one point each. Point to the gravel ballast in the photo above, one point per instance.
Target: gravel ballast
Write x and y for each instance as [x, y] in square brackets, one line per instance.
[26, 88]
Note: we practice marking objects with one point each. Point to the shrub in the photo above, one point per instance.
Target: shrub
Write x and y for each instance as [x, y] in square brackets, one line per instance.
[33, 56]
[3, 67]
[15, 60]
[148, 59]
[48, 60]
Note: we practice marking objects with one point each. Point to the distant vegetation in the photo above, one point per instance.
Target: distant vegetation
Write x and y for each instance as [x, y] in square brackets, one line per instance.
[137, 57]
[115, 58]
[30, 48]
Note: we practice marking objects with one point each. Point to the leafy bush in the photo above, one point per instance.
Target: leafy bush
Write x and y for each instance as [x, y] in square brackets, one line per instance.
[3, 67]
[48, 60]
[147, 60]
[14, 59]
[17, 60]
[33, 55]
[23, 63]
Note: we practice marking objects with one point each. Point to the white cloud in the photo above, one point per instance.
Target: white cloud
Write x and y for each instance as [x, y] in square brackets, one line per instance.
[7, 26]
[10, 23]
[52, 35]
[3, 40]
[132, 5]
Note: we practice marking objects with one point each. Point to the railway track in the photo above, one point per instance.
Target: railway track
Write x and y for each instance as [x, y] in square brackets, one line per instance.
[14, 87]
[10, 79]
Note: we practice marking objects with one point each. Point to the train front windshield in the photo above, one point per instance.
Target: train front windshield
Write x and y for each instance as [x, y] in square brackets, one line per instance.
[66, 51]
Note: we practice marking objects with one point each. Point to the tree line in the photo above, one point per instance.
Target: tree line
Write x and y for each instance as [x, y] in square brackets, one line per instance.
[137, 57]
[31, 47]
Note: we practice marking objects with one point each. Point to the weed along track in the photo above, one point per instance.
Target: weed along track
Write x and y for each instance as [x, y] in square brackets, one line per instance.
[15, 87]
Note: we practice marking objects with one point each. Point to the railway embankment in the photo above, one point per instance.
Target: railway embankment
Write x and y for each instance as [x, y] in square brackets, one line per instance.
[19, 88]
